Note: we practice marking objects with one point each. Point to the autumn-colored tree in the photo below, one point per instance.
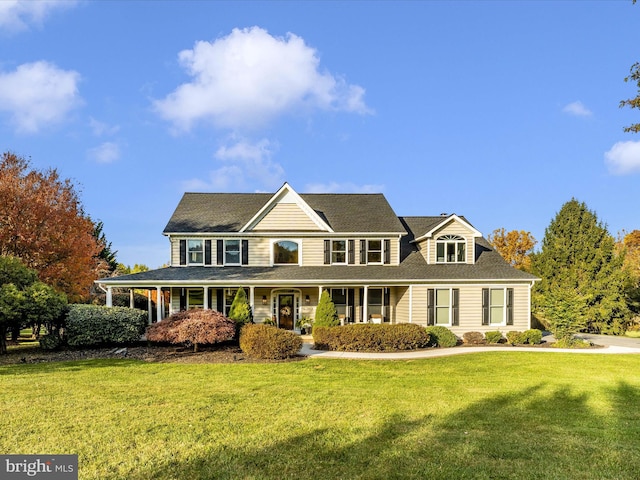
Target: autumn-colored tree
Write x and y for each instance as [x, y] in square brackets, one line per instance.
[634, 76]
[629, 245]
[514, 246]
[43, 224]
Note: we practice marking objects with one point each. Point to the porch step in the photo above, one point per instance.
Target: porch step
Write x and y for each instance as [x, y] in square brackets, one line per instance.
[307, 339]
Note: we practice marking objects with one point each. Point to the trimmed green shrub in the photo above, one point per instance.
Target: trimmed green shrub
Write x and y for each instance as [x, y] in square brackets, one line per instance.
[494, 336]
[371, 337]
[532, 337]
[95, 325]
[240, 310]
[193, 327]
[269, 342]
[50, 341]
[441, 337]
[473, 338]
[326, 314]
[515, 338]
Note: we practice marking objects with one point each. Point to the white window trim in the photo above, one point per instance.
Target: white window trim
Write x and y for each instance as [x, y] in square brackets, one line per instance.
[381, 240]
[189, 262]
[346, 251]
[200, 290]
[224, 252]
[449, 307]
[504, 306]
[444, 241]
[298, 241]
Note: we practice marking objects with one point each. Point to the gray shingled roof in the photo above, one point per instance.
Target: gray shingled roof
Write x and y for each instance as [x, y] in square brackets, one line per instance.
[229, 212]
[489, 266]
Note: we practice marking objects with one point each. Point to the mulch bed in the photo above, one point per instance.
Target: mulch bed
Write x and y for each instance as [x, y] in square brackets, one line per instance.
[157, 354]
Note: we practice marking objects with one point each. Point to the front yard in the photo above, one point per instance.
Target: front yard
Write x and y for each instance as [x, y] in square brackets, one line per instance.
[490, 415]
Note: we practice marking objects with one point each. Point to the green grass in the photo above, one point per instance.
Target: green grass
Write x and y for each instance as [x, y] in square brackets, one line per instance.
[490, 415]
[632, 333]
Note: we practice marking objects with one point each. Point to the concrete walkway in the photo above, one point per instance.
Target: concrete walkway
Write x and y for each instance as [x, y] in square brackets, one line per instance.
[612, 345]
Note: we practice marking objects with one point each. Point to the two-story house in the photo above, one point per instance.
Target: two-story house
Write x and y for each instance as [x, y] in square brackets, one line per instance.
[285, 248]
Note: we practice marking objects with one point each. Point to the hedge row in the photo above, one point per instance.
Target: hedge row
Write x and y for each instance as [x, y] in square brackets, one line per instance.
[95, 325]
[371, 337]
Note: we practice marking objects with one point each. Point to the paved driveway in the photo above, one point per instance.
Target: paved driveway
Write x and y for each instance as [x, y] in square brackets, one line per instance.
[611, 340]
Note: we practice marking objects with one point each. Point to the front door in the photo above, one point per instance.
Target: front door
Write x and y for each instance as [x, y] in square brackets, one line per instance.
[285, 311]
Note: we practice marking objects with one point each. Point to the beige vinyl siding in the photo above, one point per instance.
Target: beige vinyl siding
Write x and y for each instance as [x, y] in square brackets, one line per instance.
[470, 307]
[285, 217]
[260, 252]
[175, 251]
[453, 228]
[402, 305]
[313, 252]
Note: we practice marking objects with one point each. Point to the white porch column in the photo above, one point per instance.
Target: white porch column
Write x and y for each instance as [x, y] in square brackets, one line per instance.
[319, 292]
[109, 297]
[149, 311]
[252, 298]
[365, 305]
[131, 298]
[410, 303]
[206, 298]
[159, 301]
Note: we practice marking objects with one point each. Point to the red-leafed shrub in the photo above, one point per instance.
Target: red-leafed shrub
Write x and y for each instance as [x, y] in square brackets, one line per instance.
[193, 327]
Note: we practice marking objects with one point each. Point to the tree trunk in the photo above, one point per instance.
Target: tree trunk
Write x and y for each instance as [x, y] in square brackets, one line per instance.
[15, 333]
[3, 339]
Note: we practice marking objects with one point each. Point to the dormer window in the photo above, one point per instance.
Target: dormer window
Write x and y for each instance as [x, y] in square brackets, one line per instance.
[451, 249]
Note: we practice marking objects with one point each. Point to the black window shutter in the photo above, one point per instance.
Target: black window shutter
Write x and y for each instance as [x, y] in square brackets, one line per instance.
[220, 300]
[509, 306]
[245, 252]
[352, 251]
[183, 252]
[219, 252]
[485, 306]
[387, 251]
[455, 299]
[210, 299]
[207, 253]
[327, 252]
[183, 299]
[431, 308]
[363, 252]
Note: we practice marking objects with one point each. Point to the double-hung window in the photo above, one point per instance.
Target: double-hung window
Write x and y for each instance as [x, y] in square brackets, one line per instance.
[497, 306]
[451, 249]
[232, 252]
[195, 252]
[339, 251]
[374, 251]
[442, 306]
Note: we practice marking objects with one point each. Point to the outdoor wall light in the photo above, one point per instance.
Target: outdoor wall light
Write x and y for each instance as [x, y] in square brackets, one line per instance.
[264, 299]
[307, 300]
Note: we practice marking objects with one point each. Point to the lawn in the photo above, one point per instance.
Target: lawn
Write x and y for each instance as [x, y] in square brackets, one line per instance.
[488, 415]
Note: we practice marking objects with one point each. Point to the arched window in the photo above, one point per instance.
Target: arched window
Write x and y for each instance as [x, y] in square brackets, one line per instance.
[285, 252]
[451, 249]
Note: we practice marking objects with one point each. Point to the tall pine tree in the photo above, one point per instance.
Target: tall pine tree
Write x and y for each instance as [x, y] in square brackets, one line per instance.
[578, 265]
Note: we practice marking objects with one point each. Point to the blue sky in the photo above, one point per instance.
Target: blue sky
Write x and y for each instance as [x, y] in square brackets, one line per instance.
[498, 111]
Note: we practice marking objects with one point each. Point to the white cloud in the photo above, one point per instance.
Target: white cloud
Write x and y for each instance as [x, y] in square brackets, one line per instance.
[249, 77]
[577, 109]
[17, 15]
[345, 187]
[624, 158]
[38, 94]
[108, 152]
[100, 128]
[246, 166]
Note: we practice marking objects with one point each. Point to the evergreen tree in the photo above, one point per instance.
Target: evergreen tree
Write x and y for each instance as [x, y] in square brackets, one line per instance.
[581, 274]
[240, 310]
[326, 314]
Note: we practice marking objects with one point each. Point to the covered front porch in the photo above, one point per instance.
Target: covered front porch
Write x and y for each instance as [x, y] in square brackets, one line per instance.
[286, 306]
